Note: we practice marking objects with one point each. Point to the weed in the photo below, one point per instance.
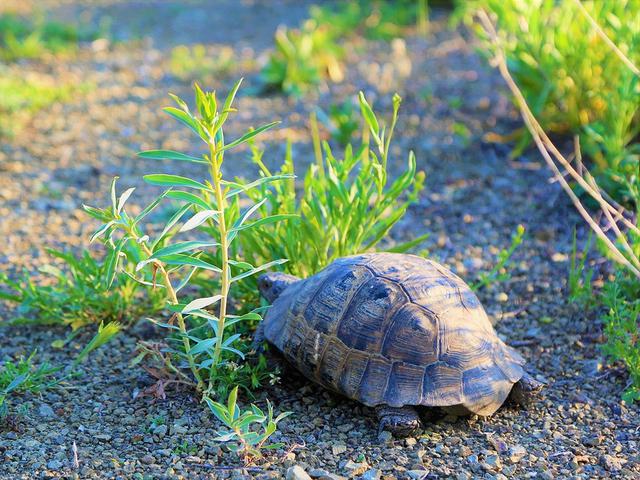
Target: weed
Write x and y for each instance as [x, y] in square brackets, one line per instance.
[24, 376]
[347, 205]
[196, 62]
[580, 288]
[248, 431]
[621, 299]
[78, 296]
[26, 38]
[185, 448]
[21, 97]
[302, 58]
[342, 121]
[499, 273]
[201, 344]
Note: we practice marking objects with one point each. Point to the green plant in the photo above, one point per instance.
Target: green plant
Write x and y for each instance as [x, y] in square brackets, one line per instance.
[580, 277]
[377, 20]
[341, 121]
[571, 78]
[196, 63]
[347, 205]
[302, 58]
[202, 343]
[31, 38]
[21, 97]
[499, 273]
[104, 335]
[78, 295]
[249, 430]
[621, 299]
[24, 376]
[620, 240]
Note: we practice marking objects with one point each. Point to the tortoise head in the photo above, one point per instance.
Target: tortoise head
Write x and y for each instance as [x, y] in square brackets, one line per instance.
[272, 284]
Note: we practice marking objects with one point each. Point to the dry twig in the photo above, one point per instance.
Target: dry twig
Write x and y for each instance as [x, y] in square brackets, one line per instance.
[613, 213]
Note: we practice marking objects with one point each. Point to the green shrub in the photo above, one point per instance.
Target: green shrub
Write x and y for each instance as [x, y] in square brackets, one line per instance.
[21, 97]
[77, 294]
[202, 346]
[303, 58]
[572, 80]
[346, 206]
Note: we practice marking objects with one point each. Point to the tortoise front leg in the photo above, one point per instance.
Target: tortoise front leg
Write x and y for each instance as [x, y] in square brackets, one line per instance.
[259, 339]
[401, 422]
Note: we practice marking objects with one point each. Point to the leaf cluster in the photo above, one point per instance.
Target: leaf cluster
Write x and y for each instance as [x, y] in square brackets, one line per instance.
[247, 431]
[347, 205]
[77, 294]
[200, 339]
[572, 80]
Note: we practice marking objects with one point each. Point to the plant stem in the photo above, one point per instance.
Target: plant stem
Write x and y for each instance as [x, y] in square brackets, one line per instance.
[173, 298]
[216, 162]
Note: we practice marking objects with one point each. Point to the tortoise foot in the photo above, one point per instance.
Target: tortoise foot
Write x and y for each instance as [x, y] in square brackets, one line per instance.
[400, 422]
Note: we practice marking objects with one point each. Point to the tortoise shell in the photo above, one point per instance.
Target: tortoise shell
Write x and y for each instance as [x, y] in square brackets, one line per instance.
[394, 329]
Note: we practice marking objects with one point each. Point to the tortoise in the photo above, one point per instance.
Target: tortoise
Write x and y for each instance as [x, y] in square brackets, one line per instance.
[393, 331]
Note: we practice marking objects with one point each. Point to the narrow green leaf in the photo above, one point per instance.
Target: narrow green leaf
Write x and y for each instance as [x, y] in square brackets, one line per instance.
[190, 198]
[192, 261]
[248, 136]
[100, 231]
[113, 196]
[203, 346]
[201, 303]
[198, 219]
[185, 119]
[149, 208]
[257, 183]
[170, 155]
[181, 248]
[170, 224]
[112, 262]
[369, 116]
[123, 199]
[261, 268]
[166, 180]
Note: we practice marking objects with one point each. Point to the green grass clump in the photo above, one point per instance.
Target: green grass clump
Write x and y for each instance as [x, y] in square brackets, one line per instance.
[24, 376]
[346, 206]
[21, 97]
[196, 62]
[22, 37]
[573, 81]
[303, 58]
[78, 295]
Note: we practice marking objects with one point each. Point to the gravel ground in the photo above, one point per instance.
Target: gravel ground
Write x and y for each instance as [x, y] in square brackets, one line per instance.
[475, 198]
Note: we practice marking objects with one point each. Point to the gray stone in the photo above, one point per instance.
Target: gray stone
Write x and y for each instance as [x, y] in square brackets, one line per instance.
[517, 453]
[297, 473]
[54, 465]
[46, 411]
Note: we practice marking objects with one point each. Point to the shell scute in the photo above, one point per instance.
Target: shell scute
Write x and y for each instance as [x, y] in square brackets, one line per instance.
[362, 324]
[412, 336]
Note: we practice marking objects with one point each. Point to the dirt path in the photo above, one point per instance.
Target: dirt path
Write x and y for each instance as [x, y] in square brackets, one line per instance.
[475, 197]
